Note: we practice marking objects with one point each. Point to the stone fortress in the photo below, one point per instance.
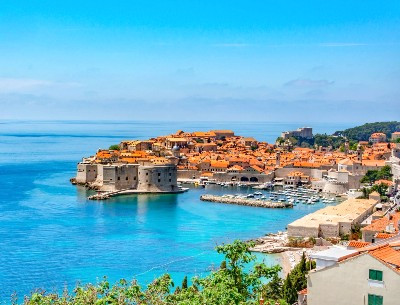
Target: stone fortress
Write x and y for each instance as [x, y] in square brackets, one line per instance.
[118, 177]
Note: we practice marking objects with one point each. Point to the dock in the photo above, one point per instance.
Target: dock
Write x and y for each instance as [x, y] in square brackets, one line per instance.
[246, 201]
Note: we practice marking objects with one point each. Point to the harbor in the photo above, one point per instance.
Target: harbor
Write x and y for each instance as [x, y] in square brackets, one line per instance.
[282, 196]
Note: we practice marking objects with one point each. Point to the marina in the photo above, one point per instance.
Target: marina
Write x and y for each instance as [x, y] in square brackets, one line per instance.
[286, 197]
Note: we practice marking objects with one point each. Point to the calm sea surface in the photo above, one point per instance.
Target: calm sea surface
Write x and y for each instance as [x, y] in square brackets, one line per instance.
[52, 237]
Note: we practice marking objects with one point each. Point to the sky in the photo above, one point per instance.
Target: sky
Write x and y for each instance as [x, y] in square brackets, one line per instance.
[278, 61]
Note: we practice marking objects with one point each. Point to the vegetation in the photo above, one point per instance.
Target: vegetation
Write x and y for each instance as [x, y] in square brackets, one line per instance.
[299, 242]
[380, 188]
[325, 140]
[374, 175]
[355, 234]
[240, 280]
[114, 147]
[296, 280]
[363, 132]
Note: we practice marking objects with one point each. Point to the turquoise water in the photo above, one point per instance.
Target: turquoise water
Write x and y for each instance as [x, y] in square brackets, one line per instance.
[52, 237]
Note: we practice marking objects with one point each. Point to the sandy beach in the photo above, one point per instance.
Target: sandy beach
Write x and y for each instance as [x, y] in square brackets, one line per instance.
[288, 260]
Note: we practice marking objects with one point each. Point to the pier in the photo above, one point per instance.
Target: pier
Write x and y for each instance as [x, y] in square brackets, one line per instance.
[247, 202]
[108, 195]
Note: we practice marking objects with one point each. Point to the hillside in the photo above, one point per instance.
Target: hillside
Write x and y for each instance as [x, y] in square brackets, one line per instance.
[362, 133]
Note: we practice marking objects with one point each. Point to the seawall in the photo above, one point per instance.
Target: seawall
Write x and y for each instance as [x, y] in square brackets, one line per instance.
[246, 202]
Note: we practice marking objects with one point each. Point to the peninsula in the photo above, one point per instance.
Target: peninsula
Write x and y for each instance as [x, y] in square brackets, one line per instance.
[331, 164]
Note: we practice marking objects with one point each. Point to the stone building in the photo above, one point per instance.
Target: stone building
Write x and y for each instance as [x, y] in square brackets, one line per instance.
[377, 137]
[156, 179]
[119, 176]
[333, 221]
[304, 132]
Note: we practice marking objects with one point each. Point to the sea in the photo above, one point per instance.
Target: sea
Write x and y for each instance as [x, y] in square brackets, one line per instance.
[52, 237]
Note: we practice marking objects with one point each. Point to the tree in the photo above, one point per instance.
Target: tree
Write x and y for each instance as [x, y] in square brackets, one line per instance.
[114, 147]
[185, 282]
[363, 132]
[240, 283]
[373, 175]
[303, 263]
[223, 265]
[273, 290]
[289, 293]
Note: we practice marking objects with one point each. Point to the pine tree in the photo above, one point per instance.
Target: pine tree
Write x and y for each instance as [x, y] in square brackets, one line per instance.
[303, 264]
[185, 282]
[289, 292]
[273, 290]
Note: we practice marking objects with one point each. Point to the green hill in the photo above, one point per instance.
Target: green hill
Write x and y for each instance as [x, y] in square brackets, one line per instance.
[362, 133]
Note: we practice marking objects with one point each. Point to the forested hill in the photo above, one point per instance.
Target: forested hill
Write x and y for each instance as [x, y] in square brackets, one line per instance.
[362, 133]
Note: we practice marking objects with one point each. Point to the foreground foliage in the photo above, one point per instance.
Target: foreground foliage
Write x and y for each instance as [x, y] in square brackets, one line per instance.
[239, 280]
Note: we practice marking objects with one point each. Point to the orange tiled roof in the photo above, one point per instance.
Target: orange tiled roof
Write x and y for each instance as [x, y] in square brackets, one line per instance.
[384, 235]
[219, 164]
[387, 182]
[358, 244]
[387, 254]
[379, 225]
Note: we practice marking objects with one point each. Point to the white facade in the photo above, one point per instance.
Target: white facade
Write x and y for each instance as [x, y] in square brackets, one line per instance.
[348, 283]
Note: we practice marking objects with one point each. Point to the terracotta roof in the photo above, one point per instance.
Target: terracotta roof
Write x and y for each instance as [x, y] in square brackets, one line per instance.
[303, 292]
[373, 162]
[387, 254]
[379, 225]
[387, 182]
[384, 235]
[358, 244]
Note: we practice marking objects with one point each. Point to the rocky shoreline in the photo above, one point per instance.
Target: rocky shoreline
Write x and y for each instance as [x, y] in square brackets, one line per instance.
[246, 202]
[273, 243]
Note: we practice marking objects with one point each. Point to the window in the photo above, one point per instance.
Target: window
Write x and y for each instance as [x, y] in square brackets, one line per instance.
[159, 180]
[169, 180]
[126, 178]
[374, 299]
[159, 174]
[375, 275]
[119, 178]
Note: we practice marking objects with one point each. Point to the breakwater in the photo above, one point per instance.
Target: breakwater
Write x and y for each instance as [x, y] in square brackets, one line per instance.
[246, 202]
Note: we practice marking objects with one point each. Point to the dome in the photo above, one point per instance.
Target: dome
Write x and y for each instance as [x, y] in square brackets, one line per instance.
[175, 148]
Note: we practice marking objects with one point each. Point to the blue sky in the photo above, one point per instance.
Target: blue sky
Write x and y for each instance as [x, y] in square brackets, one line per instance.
[187, 60]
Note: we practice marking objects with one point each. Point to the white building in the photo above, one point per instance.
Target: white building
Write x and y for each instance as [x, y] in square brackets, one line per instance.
[369, 275]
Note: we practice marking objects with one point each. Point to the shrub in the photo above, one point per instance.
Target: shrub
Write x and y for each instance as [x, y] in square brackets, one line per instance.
[114, 147]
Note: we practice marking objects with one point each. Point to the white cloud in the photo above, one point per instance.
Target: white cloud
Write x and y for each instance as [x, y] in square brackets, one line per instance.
[232, 45]
[342, 44]
[26, 85]
[21, 84]
[304, 82]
